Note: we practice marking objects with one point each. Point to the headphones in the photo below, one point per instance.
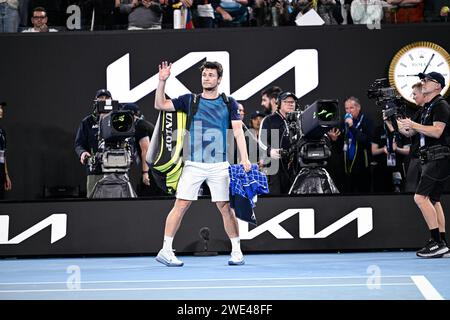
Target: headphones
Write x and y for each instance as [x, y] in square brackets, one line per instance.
[283, 95]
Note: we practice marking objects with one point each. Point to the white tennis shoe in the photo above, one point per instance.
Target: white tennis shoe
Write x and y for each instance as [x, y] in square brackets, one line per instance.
[168, 258]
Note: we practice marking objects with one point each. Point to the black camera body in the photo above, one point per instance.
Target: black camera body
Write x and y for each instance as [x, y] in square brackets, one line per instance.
[387, 98]
[116, 129]
[307, 132]
[105, 106]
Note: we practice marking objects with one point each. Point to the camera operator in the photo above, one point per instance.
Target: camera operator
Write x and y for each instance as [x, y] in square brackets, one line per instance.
[142, 135]
[86, 141]
[414, 168]
[389, 150]
[357, 147]
[434, 142]
[276, 124]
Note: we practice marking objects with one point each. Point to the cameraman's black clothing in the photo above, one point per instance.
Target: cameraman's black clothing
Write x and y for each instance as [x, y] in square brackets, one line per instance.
[383, 173]
[357, 170]
[143, 129]
[87, 140]
[435, 173]
[414, 168]
[436, 110]
[280, 182]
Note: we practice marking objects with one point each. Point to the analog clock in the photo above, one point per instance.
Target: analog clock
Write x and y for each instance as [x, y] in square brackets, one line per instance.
[415, 58]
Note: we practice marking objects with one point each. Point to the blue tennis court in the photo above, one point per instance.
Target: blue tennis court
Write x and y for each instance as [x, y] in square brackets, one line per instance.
[324, 276]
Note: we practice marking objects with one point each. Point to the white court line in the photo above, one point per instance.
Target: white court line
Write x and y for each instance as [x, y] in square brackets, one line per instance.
[203, 288]
[426, 288]
[198, 280]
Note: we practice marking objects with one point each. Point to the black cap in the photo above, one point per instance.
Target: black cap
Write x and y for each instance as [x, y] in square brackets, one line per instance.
[285, 94]
[439, 78]
[103, 92]
[133, 107]
[257, 114]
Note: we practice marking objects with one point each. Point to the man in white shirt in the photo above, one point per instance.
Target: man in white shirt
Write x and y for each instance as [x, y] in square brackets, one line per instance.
[39, 20]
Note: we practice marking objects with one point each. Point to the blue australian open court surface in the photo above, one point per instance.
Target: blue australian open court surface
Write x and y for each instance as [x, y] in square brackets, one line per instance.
[302, 276]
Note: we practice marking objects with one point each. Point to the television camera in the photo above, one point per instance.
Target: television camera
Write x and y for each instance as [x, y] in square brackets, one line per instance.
[116, 129]
[310, 147]
[387, 97]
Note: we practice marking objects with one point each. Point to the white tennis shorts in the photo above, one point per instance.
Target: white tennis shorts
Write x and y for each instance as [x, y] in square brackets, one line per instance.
[195, 173]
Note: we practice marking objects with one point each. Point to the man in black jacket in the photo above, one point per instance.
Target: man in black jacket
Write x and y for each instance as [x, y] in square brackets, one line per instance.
[86, 142]
[273, 138]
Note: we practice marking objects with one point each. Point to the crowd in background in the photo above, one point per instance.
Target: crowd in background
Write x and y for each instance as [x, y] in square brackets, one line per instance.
[72, 15]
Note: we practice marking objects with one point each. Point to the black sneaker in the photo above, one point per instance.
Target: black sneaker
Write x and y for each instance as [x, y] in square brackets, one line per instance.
[432, 250]
[447, 254]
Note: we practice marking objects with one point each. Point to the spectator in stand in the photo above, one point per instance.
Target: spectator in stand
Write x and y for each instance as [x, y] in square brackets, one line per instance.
[329, 11]
[436, 10]
[231, 13]
[55, 10]
[407, 11]
[39, 20]
[368, 12]
[203, 14]
[142, 14]
[168, 7]
[9, 15]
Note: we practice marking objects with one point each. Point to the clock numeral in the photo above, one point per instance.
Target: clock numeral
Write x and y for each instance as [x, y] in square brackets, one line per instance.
[411, 57]
[404, 86]
[400, 76]
[403, 65]
[440, 64]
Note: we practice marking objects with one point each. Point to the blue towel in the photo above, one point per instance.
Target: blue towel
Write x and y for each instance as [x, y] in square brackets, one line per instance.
[244, 188]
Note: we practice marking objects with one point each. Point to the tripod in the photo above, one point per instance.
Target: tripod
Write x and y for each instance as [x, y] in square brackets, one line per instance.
[313, 178]
[114, 185]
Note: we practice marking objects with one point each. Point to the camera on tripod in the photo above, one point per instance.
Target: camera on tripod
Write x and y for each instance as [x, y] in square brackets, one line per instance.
[310, 146]
[387, 98]
[116, 129]
[307, 129]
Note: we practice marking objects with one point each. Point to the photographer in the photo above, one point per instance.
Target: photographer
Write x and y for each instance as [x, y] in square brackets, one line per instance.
[275, 125]
[86, 142]
[389, 150]
[434, 142]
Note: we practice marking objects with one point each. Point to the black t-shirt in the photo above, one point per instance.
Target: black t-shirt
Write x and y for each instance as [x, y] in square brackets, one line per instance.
[277, 122]
[143, 129]
[380, 138]
[415, 139]
[436, 110]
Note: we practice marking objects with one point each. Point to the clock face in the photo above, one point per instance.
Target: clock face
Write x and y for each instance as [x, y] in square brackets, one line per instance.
[416, 58]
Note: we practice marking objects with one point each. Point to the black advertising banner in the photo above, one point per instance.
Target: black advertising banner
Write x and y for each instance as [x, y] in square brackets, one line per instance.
[134, 226]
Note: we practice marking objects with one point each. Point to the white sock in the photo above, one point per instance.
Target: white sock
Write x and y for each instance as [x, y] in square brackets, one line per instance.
[235, 244]
[167, 244]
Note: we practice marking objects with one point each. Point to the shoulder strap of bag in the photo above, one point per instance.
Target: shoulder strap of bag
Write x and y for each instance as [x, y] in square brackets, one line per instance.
[195, 100]
[228, 103]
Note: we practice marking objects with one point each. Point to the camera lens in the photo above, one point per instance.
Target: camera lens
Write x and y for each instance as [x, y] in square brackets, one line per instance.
[122, 122]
